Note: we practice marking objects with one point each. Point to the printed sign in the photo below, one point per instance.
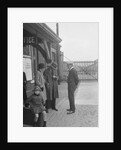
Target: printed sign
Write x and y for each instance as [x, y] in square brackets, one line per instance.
[29, 40]
[27, 68]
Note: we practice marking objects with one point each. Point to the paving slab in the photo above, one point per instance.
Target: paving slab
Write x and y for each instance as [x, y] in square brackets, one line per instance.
[86, 114]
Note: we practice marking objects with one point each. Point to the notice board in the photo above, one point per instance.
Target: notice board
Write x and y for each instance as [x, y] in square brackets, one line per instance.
[27, 68]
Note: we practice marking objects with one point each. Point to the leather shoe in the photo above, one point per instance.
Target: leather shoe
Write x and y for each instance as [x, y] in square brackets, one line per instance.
[55, 109]
[70, 112]
[68, 109]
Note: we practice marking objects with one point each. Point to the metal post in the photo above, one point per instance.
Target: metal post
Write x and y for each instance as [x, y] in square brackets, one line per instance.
[58, 53]
[57, 29]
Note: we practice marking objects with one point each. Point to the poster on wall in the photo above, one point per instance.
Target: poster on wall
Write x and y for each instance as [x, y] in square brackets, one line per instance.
[27, 68]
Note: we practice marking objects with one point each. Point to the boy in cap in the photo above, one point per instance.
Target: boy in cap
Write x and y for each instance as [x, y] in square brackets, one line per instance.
[36, 103]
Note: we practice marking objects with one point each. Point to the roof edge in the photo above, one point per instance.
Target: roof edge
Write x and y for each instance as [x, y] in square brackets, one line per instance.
[49, 31]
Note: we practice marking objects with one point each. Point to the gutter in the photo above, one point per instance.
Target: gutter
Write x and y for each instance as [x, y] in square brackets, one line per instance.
[49, 31]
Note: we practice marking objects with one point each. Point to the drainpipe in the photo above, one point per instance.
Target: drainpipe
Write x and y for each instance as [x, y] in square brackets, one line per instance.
[58, 54]
[57, 29]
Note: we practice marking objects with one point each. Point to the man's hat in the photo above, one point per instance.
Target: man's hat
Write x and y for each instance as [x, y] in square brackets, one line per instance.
[49, 62]
[70, 63]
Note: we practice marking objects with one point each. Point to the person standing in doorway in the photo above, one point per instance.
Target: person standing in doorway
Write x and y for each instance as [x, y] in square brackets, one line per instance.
[24, 88]
[73, 81]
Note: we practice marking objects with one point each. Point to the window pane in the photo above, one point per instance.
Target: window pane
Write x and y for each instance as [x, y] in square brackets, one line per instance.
[26, 50]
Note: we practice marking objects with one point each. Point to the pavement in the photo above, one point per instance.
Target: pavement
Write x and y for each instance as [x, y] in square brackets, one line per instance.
[86, 101]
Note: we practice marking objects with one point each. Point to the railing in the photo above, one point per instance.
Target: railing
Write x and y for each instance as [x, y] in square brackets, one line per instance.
[87, 70]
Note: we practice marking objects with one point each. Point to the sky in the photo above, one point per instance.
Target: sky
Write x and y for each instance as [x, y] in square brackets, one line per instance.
[79, 40]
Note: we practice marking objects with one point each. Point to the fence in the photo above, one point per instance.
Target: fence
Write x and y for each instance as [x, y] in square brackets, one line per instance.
[87, 70]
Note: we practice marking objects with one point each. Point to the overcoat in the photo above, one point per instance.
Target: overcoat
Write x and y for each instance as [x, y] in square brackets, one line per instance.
[40, 81]
[36, 103]
[55, 84]
[48, 83]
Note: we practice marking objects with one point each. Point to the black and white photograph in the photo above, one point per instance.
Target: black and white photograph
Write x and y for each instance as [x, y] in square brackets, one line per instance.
[60, 73]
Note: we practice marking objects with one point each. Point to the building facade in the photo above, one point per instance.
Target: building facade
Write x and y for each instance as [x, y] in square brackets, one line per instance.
[40, 44]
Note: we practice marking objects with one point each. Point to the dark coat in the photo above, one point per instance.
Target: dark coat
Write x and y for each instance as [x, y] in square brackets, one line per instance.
[36, 103]
[55, 88]
[72, 79]
[48, 83]
[55, 84]
[72, 85]
[24, 87]
[24, 80]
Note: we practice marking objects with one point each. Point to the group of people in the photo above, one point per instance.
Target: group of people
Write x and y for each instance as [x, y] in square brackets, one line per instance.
[46, 90]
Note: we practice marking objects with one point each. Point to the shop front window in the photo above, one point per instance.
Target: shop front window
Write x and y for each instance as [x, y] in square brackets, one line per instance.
[53, 56]
[26, 50]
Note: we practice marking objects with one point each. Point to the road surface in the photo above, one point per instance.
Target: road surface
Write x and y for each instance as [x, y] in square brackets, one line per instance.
[86, 100]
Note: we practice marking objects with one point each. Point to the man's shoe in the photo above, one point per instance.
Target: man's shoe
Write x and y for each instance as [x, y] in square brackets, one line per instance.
[68, 109]
[70, 112]
[55, 109]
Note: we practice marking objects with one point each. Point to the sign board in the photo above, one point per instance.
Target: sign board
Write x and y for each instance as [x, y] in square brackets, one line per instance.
[27, 68]
[29, 40]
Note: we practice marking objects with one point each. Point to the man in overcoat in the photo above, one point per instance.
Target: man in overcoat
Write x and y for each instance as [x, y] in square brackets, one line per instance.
[73, 81]
[55, 93]
[49, 86]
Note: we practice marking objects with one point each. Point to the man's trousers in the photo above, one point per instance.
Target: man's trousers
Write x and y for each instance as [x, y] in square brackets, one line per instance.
[71, 98]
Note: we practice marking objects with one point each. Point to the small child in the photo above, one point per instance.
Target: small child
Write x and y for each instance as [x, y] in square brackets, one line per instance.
[37, 105]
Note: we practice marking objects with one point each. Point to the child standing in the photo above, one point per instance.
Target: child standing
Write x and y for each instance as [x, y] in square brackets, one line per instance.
[37, 105]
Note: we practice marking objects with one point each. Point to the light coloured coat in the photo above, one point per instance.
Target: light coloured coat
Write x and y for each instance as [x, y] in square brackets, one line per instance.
[40, 81]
